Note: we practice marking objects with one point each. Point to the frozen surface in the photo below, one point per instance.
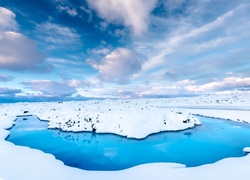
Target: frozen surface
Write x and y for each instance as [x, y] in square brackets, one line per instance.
[18, 162]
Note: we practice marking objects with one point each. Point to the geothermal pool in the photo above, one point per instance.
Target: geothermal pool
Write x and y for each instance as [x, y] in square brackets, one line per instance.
[214, 140]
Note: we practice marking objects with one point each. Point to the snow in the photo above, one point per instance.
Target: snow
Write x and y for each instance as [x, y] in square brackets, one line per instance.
[233, 115]
[134, 119]
[230, 107]
[18, 162]
[246, 150]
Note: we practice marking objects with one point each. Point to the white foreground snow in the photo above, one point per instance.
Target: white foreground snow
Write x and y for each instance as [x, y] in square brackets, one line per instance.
[18, 162]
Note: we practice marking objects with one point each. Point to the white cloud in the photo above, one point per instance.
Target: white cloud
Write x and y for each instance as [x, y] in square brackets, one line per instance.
[118, 66]
[99, 51]
[50, 88]
[185, 82]
[133, 14]
[159, 90]
[17, 52]
[7, 20]
[162, 89]
[171, 5]
[70, 11]
[200, 52]
[56, 35]
[190, 38]
[230, 83]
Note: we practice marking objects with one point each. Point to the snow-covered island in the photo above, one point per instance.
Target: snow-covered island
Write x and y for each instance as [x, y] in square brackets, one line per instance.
[131, 118]
[134, 119]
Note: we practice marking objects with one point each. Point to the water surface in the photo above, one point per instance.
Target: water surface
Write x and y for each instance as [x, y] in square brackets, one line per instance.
[214, 140]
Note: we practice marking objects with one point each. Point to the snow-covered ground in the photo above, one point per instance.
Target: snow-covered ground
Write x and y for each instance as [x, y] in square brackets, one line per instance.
[231, 107]
[18, 162]
[246, 150]
[135, 119]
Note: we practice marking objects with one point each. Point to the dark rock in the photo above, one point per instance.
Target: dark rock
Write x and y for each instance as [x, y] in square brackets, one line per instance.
[186, 121]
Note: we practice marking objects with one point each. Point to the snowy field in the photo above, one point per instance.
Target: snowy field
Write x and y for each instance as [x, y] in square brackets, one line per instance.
[131, 118]
[231, 107]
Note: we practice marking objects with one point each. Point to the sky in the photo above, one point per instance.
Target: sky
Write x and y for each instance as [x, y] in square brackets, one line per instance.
[54, 50]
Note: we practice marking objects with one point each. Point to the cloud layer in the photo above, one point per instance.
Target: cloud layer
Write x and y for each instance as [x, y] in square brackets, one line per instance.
[18, 52]
[8, 91]
[130, 13]
[50, 88]
[5, 78]
[118, 66]
[124, 48]
[7, 20]
[57, 36]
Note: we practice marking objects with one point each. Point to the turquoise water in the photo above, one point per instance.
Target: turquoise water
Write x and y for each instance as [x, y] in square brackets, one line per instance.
[214, 140]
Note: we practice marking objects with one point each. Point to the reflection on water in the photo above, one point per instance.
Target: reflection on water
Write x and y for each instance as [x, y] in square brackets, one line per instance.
[214, 140]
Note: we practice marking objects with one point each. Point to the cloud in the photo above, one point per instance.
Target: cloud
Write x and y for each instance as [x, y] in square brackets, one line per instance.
[8, 91]
[230, 83]
[130, 13]
[55, 35]
[7, 20]
[193, 39]
[66, 6]
[185, 82]
[70, 11]
[99, 51]
[118, 66]
[50, 88]
[88, 12]
[197, 47]
[5, 78]
[185, 87]
[171, 5]
[18, 52]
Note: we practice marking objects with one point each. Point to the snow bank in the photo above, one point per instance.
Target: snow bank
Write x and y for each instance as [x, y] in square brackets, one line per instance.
[134, 119]
[230, 107]
[233, 115]
[246, 150]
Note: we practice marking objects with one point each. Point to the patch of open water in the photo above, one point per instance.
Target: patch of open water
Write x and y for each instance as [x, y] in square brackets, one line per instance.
[214, 140]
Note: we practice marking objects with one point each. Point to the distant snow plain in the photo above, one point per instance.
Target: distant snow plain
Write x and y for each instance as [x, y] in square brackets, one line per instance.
[130, 118]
